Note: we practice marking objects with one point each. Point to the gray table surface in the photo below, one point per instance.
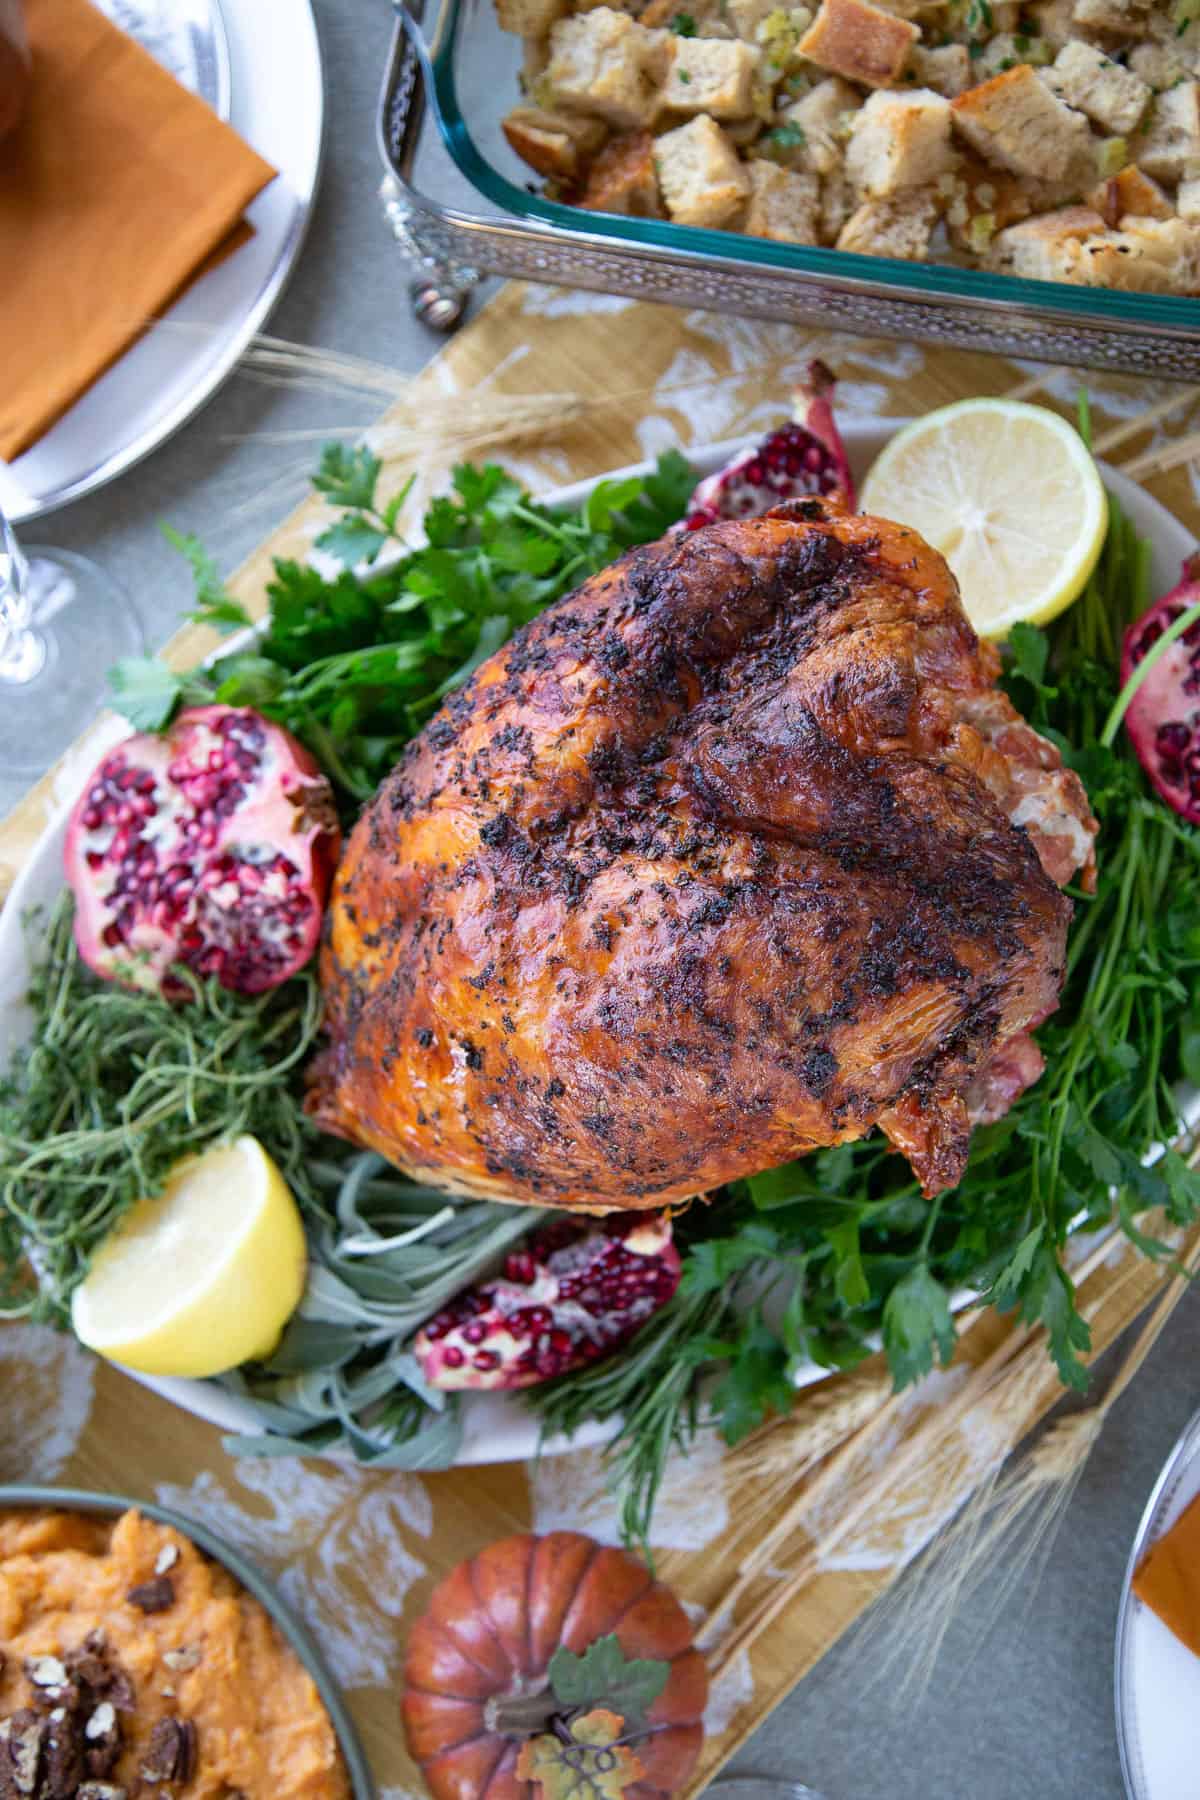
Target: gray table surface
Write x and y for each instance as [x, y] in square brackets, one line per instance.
[1029, 1710]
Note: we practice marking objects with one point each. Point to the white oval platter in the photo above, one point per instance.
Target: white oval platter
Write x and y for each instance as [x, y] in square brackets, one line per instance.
[497, 1428]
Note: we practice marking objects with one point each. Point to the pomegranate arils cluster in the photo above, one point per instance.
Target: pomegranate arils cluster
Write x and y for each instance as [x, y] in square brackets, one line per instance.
[802, 458]
[1163, 719]
[570, 1295]
[212, 846]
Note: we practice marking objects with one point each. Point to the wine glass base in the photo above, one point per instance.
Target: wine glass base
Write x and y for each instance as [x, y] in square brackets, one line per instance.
[53, 680]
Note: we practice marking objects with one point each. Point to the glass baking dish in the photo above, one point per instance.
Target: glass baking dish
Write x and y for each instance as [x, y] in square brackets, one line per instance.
[462, 204]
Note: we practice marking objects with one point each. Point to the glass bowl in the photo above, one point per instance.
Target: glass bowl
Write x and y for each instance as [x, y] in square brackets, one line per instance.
[462, 204]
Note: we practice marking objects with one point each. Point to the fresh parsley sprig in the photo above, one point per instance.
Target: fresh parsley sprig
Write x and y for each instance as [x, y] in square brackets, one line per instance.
[826, 1257]
[356, 661]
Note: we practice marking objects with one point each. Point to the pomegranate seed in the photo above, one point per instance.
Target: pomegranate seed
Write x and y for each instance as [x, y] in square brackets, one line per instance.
[603, 1292]
[1173, 737]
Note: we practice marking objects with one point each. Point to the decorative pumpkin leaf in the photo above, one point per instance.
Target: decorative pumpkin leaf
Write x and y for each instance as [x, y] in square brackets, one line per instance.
[587, 1763]
[605, 1676]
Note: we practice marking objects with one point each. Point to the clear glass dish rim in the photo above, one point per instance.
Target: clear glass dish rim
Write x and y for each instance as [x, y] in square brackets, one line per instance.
[1166, 314]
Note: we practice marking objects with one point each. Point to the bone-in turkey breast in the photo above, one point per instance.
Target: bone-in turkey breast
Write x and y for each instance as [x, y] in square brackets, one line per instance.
[713, 864]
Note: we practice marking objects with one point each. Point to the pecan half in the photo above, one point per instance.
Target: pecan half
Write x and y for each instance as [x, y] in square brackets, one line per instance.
[153, 1596]
[26, 1735]
[102, 1740]
[62, 1759]
[171, 1755]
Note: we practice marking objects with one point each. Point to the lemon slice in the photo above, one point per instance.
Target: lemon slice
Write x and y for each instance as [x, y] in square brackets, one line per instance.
[202, 1277]
[1010, 496]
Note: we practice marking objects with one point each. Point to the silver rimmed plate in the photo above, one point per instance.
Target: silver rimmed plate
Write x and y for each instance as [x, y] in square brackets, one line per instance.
[1157, 1678]
[276, 102]
[186, 36]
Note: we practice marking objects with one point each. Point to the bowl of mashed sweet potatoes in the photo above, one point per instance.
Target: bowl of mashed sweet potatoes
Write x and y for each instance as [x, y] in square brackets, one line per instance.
[139, 1654]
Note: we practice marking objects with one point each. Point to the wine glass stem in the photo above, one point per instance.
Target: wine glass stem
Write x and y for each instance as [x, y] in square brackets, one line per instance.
[22, 649]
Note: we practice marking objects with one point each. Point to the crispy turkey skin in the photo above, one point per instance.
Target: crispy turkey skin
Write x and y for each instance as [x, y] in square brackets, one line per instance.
[711, 865]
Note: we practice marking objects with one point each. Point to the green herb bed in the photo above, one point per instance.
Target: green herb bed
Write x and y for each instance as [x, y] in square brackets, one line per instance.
[814, 1262]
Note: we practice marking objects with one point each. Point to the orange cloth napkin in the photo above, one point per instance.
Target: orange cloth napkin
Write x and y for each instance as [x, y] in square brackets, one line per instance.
[1168, 1579]
[114, 190]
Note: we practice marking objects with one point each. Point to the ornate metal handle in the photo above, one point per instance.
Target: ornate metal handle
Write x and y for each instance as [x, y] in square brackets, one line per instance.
[444, 283]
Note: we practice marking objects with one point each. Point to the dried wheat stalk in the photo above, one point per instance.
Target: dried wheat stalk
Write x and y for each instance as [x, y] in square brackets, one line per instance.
[823, 1417]
[1166, 457]
[861, 1492]
[1033, 384]
[909, 1456]
[1108, 440]
[1029, 1500]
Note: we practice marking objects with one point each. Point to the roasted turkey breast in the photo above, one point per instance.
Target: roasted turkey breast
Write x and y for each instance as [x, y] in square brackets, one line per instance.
[733, 853]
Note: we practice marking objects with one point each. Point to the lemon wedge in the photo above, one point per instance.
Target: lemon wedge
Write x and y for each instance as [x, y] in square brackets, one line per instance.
[1010, 496]
[203, 1276]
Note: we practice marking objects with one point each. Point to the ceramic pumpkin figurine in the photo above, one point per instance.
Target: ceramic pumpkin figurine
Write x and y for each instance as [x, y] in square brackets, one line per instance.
[543, 1645]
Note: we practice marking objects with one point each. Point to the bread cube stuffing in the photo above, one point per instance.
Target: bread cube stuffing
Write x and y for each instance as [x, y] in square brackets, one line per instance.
[1170, 139]
[1187, 201]
[555, 144]
[837, 122]
[1014, 121]
[1112, 18]
[899, 140]
[711, 75]
[825, 116]
[1159, 65]
[529, 18]
[947, 70]
[784, 206]
[860, 42]
[1130, 194]
[702, 178]
[623, 179]
[746, 16]
[601, 63]
[1113, 96]
[1054, 22]
[1160, 256]
[900, 226]
[1045, 248]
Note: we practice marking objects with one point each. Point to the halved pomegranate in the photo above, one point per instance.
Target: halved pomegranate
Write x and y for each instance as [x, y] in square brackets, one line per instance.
[570, 1294]
[212, 845]
[1163, 719]
[805, 456]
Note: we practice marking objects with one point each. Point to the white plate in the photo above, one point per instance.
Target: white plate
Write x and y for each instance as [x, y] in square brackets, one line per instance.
[277, 104]
[186, 36]
[1157, 1678]
[497, 1428]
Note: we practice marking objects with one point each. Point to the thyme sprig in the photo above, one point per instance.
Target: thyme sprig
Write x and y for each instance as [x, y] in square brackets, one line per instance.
[115, 1087]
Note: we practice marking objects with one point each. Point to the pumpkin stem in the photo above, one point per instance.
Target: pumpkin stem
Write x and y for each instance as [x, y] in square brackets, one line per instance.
[521, 1715]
